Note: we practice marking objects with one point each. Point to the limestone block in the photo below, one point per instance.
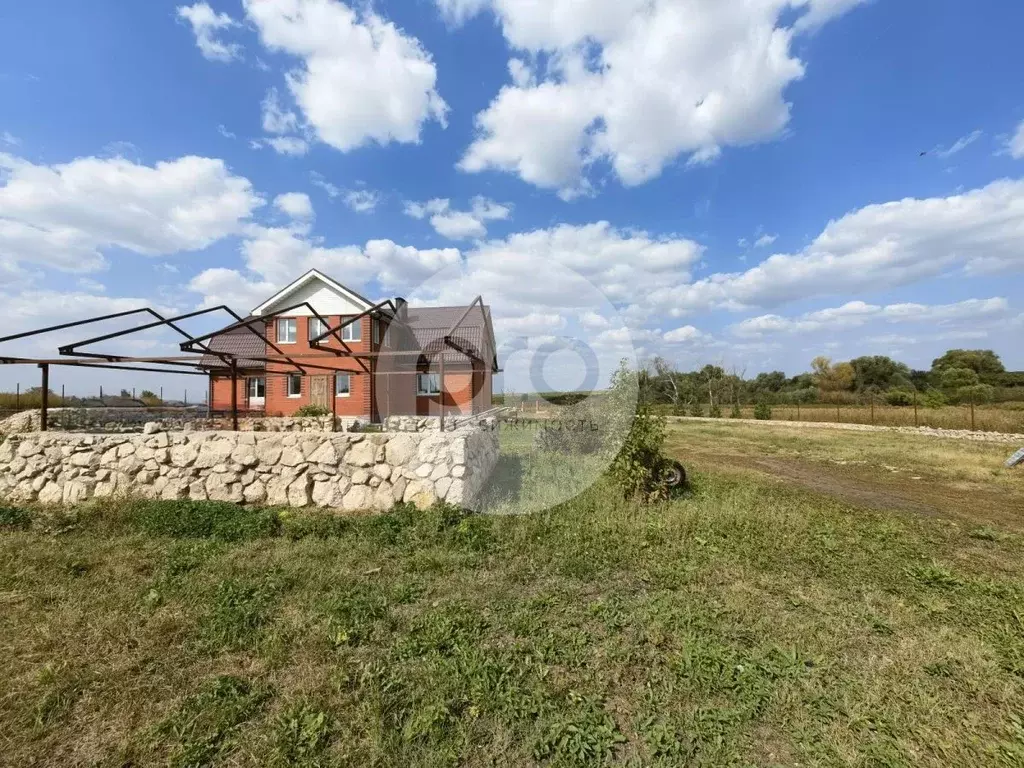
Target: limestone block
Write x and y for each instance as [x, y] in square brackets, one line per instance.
[362, 454]
[291, 457]
[197, 490]
[419, 493]
[151, 428]
[456, 492]
[400, 449]
[29, 448]
[424, 470]
[325, 453]
[360, 476]
[277, 491]
[458, 471]
[255, 492]
[183, 455]
[383, 471]
[268, 451]
[358, 497]
[75, 491]
[174, 489]
[441, 487]
[441, 470]
[125, 449]
[298, 492]
[51, 494]
[213, 452]
[384, 497]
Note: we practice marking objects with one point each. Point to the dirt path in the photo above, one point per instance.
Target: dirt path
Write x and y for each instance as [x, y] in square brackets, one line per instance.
[956, 434]
[872, 487]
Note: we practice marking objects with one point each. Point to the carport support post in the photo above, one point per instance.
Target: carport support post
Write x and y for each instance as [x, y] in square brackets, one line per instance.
[44, 411]
[441, 390]
[234, 395]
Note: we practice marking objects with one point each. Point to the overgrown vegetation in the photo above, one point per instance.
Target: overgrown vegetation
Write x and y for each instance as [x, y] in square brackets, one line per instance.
[312, 411]
[749, 623]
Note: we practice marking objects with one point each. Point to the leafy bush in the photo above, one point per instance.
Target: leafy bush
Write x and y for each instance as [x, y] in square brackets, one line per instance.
[203, 520]
[14, 518]
[312, 411]
[634, 469]
[899, 397]
[736, 413]
[978, 393]
[715, 412]
[763, 411]
[696, 410]
[569, 436]
[933, 398]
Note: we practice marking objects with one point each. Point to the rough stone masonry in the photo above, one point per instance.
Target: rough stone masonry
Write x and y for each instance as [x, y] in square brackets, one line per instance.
[340, 470]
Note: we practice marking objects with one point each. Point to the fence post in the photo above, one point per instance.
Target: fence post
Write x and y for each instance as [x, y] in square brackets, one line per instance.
[234, 395]
[837, 412]
[972, 412]
[161, 395]
[44, 411]
[916, 423]
[872, 410]
[17, 397]
[798, 410]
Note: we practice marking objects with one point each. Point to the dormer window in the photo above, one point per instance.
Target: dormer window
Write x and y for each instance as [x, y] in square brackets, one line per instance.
[286, 333]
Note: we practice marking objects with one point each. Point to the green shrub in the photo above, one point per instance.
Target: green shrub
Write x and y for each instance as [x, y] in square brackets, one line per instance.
[899, 397]
[203, 520]
[696, 410]
[736, 413]
[312, 411]
[933, 398]
[14, 518]
[763, 411]
[715, 412]
[634, 470]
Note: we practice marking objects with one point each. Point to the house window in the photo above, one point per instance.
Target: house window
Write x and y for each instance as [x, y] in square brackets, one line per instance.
[294, 385]
[376, 330]
[428, 384]
[286, 330]
[316, 328]
[342, 385]
[257, 388]
[352, 332]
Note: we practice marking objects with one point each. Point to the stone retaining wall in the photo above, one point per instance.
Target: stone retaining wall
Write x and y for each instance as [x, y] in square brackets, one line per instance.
[118, 420]
[339, 470]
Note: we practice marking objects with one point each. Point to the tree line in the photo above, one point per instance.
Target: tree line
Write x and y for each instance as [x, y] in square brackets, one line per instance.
[958, 376]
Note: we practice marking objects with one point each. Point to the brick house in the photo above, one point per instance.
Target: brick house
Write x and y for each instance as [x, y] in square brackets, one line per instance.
[389, 361]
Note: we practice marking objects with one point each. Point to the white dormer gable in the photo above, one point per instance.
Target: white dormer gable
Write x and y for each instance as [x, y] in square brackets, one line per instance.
[327, 297]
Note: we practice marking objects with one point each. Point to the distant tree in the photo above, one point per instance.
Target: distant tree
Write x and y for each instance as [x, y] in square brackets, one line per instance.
[769, 382]
[125, 393]
[953, 379]
[877, 372]
[978, 360]
[976, 393]
[829, 377]
[920, 380]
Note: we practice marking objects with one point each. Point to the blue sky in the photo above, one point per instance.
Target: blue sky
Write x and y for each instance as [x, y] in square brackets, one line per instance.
[652, 176]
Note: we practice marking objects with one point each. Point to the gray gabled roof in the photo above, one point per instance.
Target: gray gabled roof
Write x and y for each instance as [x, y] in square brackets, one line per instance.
[429, 324]
[238, 341]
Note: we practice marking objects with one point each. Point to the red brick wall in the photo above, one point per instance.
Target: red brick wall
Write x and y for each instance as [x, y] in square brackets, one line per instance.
[398, 392]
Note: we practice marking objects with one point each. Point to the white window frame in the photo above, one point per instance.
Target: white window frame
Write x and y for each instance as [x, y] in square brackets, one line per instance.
[261, 384]
[294, 377]
[375, 325]
[353, 331]
[428, 390]
[338, 377]
[320, 325]
[289, 324]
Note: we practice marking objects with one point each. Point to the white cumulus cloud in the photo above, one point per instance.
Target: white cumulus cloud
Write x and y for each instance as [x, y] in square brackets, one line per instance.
[65, 215]
[637, 83]
[459, 225]
[359, 79]
[206, 24]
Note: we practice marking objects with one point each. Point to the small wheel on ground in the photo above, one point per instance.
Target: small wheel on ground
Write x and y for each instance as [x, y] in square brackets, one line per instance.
[674, 475]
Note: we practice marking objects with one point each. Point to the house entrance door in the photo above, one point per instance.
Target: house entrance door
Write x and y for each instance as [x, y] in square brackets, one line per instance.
[320, 391]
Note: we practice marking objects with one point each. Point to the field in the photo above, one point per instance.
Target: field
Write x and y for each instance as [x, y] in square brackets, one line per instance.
[816, 599]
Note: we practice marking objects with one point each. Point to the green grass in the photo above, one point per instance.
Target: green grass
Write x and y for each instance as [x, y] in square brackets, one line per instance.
[744, 624]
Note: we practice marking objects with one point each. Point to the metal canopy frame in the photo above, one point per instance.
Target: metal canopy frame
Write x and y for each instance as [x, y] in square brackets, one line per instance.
[389, 309]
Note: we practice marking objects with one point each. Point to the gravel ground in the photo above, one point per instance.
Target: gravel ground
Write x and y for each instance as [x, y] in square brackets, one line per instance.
[955, 434]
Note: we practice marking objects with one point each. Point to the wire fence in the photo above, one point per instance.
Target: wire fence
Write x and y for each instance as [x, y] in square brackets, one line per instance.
[1006, 417]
